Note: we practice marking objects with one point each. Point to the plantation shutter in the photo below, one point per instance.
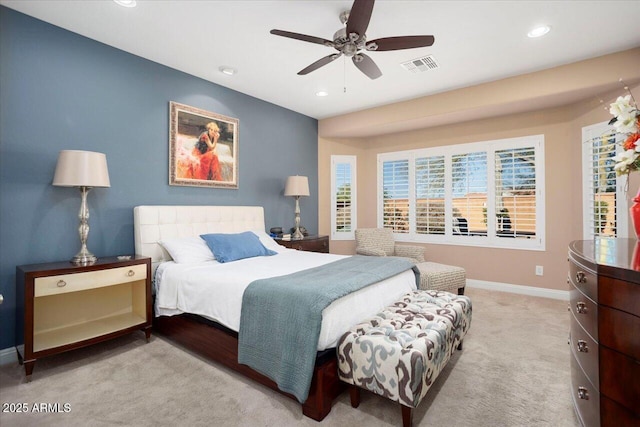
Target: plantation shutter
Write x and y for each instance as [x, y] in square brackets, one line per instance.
[515, 189]
[469, 192]
[429, 188]
[395, 198]
[343, 199]
[604, 204]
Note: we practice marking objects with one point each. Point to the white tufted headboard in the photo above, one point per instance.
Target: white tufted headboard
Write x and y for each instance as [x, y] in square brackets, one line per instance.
[153, 223]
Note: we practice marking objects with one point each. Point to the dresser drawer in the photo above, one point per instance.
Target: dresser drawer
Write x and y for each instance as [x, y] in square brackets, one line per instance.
[625, 332]
[614, 415]
[585, 350]
[584, 279]
[619, 294]
[584, 310]
[586, 399]
[620, 379]
[53, 285]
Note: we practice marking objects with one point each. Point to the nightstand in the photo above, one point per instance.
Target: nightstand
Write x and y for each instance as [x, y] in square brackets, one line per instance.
[309, 243]
[68, 306]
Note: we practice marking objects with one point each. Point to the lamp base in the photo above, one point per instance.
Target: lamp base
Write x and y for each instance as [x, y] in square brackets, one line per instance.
[84, 257]
[297, 235]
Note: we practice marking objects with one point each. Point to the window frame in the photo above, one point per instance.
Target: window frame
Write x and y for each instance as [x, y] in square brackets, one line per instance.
[622, 206]
[491, 240]
[351, 161]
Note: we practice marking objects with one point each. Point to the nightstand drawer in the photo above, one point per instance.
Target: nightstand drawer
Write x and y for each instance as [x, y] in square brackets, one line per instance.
[53, 285]
[320, 245]
[309, 243]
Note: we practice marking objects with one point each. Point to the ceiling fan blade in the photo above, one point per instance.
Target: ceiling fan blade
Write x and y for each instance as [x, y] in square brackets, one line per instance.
[303, 37]
[319, 63]
[397, 43]
[359, 17]
[366, 65]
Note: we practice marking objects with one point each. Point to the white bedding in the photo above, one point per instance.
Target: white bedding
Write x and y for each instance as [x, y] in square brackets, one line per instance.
[214, 290]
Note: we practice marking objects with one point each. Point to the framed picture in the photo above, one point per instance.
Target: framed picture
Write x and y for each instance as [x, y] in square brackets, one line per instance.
[203, 148]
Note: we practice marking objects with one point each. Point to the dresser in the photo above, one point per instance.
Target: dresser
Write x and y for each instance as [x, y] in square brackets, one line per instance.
[604, 289]
[309, 243]
[65, 306]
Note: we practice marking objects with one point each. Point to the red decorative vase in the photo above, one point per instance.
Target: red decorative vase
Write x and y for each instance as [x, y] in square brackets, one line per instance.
[635, 261]
[634, 212]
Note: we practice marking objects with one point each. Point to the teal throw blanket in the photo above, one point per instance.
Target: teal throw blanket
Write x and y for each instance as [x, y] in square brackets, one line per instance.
[281, 316]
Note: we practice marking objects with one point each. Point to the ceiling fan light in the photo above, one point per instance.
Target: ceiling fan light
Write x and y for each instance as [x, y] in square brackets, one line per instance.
[539, 31]
[229, 71]
[126, 3]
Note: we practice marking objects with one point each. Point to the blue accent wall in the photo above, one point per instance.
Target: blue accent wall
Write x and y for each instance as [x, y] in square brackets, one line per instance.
[63, 91]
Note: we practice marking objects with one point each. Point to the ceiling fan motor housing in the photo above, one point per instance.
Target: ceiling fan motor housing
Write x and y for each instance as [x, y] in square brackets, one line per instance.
[348, 45]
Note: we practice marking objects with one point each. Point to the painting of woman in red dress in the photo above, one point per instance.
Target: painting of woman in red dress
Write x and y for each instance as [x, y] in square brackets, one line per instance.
[208, 166]
[203, 148]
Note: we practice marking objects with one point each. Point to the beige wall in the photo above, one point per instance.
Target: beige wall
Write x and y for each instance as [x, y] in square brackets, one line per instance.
[561, 127]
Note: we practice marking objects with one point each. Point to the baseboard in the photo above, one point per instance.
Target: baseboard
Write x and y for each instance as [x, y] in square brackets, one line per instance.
[8, 355]
[519, 289]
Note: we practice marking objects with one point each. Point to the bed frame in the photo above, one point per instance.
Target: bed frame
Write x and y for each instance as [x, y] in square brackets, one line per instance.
[215, 342]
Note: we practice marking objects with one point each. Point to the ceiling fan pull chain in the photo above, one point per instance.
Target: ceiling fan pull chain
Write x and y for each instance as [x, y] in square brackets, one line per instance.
[344, 73]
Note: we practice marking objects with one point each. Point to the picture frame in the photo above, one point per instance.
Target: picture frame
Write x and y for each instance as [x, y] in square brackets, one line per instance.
[203, 148]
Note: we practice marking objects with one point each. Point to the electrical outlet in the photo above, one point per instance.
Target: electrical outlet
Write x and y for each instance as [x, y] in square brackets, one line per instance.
[539, 270]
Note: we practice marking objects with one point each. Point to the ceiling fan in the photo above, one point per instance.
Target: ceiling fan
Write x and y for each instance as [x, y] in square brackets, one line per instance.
[351, 41]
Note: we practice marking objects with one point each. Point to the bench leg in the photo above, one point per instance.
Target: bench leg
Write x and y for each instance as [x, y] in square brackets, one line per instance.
[461, 291]
[460, 346]
[354, 392]
[407, 416]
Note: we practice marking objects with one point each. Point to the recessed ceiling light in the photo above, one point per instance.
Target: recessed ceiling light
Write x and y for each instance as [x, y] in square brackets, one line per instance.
[126, 3]
[539, 31]
[322, 93]
[229, 71]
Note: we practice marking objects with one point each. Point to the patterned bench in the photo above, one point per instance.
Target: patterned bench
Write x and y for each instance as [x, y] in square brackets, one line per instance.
[400, 352]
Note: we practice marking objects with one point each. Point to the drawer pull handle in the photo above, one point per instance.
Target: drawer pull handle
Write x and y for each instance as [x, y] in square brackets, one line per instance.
[583, 393]
[581, 277]
[130, 273]
[61, 284]
[581, 308]
[582, 346]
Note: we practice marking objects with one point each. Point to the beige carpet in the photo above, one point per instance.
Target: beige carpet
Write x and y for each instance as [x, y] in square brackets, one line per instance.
[513, 371]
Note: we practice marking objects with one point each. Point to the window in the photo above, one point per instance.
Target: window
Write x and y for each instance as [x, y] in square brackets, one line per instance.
[343, 197]
[604, 204]
[484, 194]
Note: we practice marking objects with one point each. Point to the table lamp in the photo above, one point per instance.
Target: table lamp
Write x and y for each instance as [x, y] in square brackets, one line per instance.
[297, 186]
[84, 170]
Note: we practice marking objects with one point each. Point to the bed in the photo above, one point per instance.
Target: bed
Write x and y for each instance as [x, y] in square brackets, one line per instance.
[208, 322]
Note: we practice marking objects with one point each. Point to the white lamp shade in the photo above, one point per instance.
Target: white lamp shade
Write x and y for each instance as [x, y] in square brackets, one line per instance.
[296, 186]
[81, 169]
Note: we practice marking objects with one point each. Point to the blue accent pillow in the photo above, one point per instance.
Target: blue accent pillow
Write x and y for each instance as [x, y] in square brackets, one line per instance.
[232, 247]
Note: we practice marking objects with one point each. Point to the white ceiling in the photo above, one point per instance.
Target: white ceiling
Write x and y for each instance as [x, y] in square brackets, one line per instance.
[475, 42]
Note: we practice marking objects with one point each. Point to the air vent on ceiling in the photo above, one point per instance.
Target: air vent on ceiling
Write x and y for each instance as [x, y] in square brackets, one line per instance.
[419, 65]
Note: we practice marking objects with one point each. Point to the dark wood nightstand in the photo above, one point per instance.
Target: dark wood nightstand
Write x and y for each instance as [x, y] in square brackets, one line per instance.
[309, 243]
[68, 306]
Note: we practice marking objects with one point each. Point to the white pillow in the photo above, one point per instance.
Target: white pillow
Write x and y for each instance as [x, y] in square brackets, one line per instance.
[268, 241]
[188, 250]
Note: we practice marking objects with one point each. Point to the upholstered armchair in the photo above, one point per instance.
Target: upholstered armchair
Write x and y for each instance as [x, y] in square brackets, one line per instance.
[379, 242]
